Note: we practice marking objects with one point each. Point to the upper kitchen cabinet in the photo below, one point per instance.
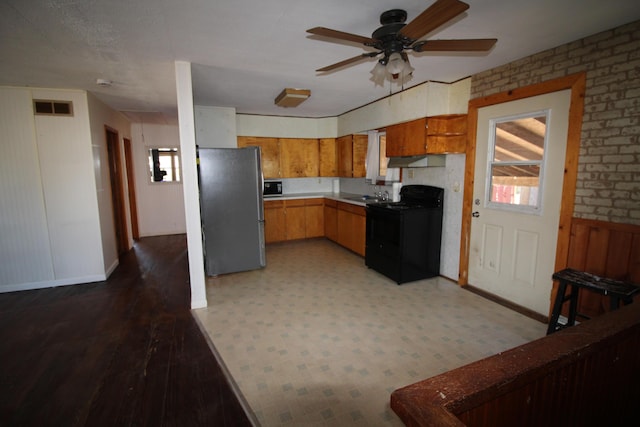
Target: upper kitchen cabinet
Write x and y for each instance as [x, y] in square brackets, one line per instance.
[429, 135]
[407, 139]
[446, 134]
[270, 153]
[352, 153]
[360, 155]
[328, 157]
[299, 157]
[345, 156]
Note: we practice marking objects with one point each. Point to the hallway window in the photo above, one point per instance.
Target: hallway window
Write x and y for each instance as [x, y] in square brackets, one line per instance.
[164, 165]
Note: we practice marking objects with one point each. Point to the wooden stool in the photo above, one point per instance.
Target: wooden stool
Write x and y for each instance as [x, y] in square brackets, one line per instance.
[615, 289]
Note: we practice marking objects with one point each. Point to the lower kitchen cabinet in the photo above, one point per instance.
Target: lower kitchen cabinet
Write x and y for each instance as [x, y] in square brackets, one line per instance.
[331, 219]
[314, 218]
[274, 225]
[293, 219]
[351, 226]
[343, 223]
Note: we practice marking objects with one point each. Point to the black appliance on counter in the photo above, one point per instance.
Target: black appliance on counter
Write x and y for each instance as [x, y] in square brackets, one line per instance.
[272, 189]
[403, 238]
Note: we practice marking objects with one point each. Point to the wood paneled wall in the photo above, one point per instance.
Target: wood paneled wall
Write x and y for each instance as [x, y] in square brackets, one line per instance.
[605, 249]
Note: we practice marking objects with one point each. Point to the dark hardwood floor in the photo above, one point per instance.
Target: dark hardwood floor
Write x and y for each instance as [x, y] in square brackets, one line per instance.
[125, 352]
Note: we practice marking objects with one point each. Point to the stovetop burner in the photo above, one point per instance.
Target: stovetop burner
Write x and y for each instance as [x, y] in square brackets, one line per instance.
[416, 197]
[400, 206]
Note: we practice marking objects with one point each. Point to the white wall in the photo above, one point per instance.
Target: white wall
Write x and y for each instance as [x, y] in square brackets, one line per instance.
[215, 127]
[186, 119]
[286, 127]
[428, 99]
[160, 204]
[50, 219]
[25, 253]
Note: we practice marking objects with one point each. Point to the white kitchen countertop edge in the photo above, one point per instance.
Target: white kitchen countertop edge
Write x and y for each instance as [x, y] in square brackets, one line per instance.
[340, 197]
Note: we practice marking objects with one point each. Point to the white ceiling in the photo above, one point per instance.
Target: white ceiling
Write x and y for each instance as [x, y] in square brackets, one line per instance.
[244, 52]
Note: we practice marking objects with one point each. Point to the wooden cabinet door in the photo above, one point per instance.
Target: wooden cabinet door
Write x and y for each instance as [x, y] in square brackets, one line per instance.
[359, 231]
[299, 157]
[359, 151]
[447, 124]
[328, 157]
[274, 224]
[270, 153]
[330, 220]
[447, 134]
[351, 225]
[443, 144]
[314, 218]
[407, 139]
[295, 219]
[344, 228]
[345, 156]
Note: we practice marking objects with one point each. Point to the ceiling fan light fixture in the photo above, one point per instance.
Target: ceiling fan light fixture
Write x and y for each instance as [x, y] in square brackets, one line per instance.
[378, 74]
[395, 68]
[290, 97]
[396, 64]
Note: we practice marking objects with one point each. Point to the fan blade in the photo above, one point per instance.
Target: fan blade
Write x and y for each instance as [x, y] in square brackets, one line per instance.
[335, 34]
[454, 45]
[347, 61]
[434, 16]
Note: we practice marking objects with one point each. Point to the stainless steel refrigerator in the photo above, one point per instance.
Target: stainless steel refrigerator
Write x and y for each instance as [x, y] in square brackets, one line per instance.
[231, 186]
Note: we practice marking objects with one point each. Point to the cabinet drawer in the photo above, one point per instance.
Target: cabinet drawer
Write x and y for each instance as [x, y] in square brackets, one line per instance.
[294, 202]
[355, 209]
[313, 202]
[330, 202]
[272, 204]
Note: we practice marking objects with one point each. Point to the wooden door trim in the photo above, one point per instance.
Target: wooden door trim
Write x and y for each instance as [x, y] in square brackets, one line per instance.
[131, 185]
[576, 83]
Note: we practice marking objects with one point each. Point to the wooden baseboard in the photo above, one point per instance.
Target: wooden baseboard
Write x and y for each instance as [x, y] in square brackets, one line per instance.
[503, 302]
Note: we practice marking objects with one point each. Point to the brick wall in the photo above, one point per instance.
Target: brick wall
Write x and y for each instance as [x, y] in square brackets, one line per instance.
[608, 187]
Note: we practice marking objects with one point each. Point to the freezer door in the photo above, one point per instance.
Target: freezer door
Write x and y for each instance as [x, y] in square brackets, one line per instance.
[231, 209]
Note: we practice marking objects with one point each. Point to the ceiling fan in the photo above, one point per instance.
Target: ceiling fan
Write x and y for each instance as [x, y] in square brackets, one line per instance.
[394, 38]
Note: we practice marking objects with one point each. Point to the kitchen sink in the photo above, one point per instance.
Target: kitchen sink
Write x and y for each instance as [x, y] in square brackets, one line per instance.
[366, 199]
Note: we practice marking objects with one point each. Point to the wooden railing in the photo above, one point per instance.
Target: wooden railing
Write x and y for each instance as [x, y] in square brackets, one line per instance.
[606, 249]
[585, 375]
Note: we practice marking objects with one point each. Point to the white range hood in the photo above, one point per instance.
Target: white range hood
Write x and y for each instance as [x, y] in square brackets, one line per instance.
[424, 161]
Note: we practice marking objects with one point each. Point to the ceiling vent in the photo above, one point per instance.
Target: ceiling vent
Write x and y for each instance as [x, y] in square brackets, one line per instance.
[53, 108]
[292, 97]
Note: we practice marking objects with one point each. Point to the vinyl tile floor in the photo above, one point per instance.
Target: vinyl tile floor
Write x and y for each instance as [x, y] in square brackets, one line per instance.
[316, 338]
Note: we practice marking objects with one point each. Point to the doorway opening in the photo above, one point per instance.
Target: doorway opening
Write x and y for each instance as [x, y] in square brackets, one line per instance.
[117, 192]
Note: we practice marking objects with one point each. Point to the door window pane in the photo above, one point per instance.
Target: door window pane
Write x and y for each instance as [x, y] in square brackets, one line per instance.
[516, 161]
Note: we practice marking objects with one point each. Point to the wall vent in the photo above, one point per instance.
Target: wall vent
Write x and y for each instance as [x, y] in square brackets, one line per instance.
[53, 108]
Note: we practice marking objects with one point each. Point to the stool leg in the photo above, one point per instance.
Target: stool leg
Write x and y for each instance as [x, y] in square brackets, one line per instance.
[614, 302]
[573, 306]
[557, 306]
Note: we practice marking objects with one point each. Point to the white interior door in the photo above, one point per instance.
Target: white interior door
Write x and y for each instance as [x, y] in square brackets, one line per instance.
[520, 158]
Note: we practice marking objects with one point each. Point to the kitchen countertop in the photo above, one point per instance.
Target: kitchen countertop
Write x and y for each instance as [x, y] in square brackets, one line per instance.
[340, 197]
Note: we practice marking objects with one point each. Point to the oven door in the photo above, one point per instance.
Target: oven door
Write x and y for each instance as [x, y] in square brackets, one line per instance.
[384, 230]
[384, 237]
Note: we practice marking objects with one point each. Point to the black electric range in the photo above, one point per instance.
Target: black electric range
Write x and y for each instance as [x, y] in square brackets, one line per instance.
[403, 238]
